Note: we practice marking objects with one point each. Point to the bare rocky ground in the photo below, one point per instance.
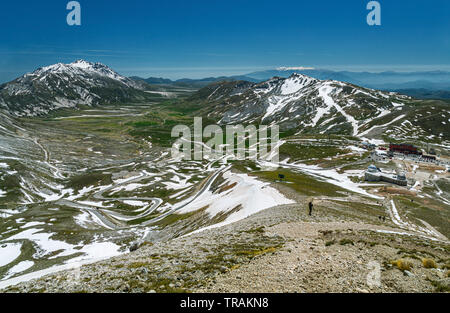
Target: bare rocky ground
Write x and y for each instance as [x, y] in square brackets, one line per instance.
[280, 249]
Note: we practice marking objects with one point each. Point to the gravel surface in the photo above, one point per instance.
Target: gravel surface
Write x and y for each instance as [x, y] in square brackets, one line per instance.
[280, 249]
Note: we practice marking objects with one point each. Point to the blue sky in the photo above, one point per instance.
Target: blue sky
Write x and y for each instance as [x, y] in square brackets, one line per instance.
[198, 38]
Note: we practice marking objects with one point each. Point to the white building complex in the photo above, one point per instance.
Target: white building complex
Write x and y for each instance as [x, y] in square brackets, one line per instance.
[373, 173]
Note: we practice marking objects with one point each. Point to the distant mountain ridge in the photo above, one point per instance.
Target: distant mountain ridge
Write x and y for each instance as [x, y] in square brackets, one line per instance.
[427, 84]
[389, 79]
[191, 82]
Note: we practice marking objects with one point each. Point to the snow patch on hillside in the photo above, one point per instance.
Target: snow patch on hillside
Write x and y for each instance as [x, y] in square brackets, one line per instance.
[248, 196]
[9, 252]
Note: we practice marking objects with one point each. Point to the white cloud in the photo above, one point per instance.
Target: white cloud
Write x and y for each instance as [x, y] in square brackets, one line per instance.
[298, 68]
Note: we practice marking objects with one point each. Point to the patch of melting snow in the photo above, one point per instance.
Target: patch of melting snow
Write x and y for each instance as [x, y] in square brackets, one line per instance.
[55, 196]
[19, 268]
[9, 252]
[415, 187]
[81, 193]
[333, 177]
[324, 92]
[95, 204]
[396, 217]
[124, 180]
[129, 187]
[377, 142]
[77, 262]
[83, 219]
[178, 185]
[404, 233]
[384, 125]
[89, 220]
[248, 197]
[43, 240]
[356, 149]
[179, 194]
[18, 210]
[135, 202]
[47, 245]
[32, 224]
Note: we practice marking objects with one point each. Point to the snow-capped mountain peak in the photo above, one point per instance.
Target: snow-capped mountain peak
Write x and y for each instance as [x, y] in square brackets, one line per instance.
[84, 64]
[79, 67]
[296, 82]
[68, 85]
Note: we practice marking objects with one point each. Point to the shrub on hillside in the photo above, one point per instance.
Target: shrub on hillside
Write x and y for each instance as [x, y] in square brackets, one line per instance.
[402, 265]
[429, 263]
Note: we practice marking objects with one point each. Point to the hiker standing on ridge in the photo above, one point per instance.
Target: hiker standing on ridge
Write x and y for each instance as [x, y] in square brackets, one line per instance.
[310, 205]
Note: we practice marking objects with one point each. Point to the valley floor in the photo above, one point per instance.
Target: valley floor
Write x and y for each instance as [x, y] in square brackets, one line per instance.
[280, 249]
[79, 186]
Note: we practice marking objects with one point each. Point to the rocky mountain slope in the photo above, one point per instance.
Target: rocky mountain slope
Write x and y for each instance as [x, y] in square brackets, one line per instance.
[280, 249]
[304, 104]
[68, 85]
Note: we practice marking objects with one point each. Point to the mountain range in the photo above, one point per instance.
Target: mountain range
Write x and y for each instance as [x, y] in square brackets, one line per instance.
[302, 104]
[425, 84]
[298, 103]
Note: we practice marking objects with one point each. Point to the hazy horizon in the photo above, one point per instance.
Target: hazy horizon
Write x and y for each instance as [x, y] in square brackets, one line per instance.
[202, 72]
